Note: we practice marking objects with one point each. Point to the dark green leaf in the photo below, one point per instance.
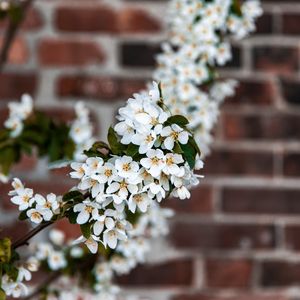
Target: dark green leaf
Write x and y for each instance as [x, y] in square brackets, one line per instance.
[132, 150]
[73, 195]
[23, 215]
[177, 119]
[189, 153]
[177, 149]
[113, 140]
[86, 230]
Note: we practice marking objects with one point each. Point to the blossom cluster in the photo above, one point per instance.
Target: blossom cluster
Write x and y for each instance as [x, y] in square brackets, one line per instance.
[18, 113]
[36, 207]
[15, 287]
[199, 42]
[152, 157]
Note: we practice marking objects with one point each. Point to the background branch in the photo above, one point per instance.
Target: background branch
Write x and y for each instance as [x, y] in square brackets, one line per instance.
[11, 32]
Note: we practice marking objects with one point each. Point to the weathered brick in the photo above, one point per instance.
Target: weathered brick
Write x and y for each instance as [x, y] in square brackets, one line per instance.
[291, 23]
[265, 126]
[91, 19]
[58, 52]
[291, 164]
[280, 273]
[292, 241]
[281, 60]
[138, 54]
[228, 273]
[98, 88]
[14, 231]
[174, 273]
[239, 162]
[291, 90]
[221, 236]
[261, 201]
[201, 202]
[26, 83]
[252, 92]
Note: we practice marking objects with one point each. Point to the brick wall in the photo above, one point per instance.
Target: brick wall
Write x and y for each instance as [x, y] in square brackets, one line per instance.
[238, 238]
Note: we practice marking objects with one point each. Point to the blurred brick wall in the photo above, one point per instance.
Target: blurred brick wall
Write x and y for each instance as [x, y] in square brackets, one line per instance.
[238, 238]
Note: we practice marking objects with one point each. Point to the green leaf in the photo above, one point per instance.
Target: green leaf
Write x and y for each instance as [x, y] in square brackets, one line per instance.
[177, 149]
[86, 230]
[72, 216]
[100, 145]
[195, 145]
[189, 153]
[113, 140]
[73, 195]
[23, 215]
[5, 250]
[132, 150]
[2, 294]
[177, 119]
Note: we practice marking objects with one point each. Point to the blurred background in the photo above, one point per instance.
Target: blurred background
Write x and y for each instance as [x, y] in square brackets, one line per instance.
[238, 238]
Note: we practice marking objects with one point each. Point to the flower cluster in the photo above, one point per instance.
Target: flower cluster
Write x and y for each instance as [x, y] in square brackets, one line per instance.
[15, 287]
[199, 33]
[18, 113]
[34, 206]
[81, 131]
[152, 156]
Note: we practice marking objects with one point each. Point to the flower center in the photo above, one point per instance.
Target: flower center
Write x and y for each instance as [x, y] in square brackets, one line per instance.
[126, 167]
[26, 198]
[123, 184]
[108, 172]
[149, 138]
[36, 215]
[169, 161]
[138, 198]
[89, 209]
[174, 135]
[155, 160]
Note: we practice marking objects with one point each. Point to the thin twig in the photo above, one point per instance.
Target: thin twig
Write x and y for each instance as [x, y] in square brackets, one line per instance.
[24, 240]
[11, 33]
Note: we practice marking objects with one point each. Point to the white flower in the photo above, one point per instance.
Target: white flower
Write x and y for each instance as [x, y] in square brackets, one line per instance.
[56, 260]
[126, 167]
[154, 163]
[172, 162]
[111, 237]
[23, 199]
[181, 192]
[91, 243]
[106, 173]
[49, 205]
[79, 170]
[36, 216]
[145, 141]
[139, 200]
[23, 274]
[86, 210]
[3, 178]
[57, 237]
[174, 133]
[103, 221]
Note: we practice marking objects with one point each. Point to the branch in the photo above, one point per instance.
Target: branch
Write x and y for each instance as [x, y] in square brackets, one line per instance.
[24, 240]
[11, 33]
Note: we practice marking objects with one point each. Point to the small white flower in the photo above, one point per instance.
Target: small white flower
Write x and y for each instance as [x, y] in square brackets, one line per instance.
[36, 216]
[154, 163]
[139, 200]
[126, 167]
[49, 205]
[86, 210]
[23, 199]
[172, 162]
[57, 237]
[79, 171]
[56, 260]
[111, 237]
[174, 133]
[106, 173]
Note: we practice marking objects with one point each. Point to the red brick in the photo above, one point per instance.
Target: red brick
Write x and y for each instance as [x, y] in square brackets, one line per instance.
[264, 24]
[291, 23]
[291, 90]
[245, 296]
[55, 52]
[292, 241]
[131, 20]
[222, 273]
[81, 19]
[174, 273]
[280, 273]
[280, 60]
[18, 53]
[207, 236]
[201, 202]
[27, 164]
[291, 164]
[26, 83]
[71, 231]
[261, 201]
[252, 92]
[102, 88]
[239, 162]
[265, 126]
